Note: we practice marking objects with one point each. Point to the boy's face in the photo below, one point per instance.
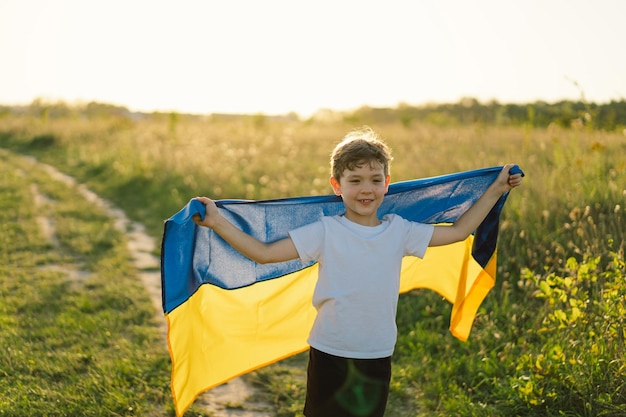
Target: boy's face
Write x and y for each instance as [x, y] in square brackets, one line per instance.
[362, 190]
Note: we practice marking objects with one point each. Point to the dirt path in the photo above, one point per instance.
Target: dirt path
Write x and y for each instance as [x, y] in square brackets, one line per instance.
[228, 400]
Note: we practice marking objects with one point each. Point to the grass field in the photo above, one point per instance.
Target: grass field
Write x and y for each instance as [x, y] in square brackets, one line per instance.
[78, 331]
[548, 341]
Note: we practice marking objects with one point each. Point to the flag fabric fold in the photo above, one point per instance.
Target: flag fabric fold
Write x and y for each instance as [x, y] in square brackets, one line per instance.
[228, 315]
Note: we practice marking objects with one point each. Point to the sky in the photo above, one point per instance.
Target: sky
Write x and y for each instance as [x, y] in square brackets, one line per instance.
[281, 56]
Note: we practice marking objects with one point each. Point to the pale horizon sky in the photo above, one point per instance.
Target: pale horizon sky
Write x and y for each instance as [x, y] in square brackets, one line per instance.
[279, 56]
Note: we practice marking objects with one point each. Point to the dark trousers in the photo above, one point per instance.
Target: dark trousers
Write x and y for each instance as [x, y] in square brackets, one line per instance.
[344, 387]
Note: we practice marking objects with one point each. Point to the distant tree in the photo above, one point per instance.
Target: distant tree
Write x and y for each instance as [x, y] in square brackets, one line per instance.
[102, 110]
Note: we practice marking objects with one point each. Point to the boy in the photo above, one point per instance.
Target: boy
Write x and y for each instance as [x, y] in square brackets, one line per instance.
[359, 258]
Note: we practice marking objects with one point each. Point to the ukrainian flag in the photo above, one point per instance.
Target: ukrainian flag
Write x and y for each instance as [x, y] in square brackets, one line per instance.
[228, 315]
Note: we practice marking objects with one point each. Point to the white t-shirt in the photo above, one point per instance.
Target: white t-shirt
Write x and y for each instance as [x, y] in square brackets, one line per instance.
[359, 277]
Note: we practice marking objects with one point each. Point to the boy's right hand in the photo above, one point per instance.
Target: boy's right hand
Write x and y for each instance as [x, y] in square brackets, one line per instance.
[211, 215]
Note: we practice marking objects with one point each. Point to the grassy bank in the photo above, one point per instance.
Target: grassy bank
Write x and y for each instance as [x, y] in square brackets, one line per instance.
[549, 340]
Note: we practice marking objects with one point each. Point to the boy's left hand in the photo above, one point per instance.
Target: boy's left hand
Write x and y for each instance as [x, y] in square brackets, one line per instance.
[507, 181]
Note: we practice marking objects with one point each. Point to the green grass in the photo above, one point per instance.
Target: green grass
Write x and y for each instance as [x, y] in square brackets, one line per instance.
[79, 335]
[548, 341]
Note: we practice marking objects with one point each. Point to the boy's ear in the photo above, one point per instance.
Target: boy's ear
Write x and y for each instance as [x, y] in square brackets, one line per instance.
[335, 184]
[387, 182]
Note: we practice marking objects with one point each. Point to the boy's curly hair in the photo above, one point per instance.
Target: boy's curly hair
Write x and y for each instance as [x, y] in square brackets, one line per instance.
[358, 147]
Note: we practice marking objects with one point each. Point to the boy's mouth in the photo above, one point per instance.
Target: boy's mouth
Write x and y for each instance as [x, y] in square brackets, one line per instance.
[367, 201]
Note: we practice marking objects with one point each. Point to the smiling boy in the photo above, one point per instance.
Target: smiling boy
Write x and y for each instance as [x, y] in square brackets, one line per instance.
[359, 256]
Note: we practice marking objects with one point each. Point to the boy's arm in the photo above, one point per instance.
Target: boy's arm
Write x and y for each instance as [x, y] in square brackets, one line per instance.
[473, 217]
[261, 252]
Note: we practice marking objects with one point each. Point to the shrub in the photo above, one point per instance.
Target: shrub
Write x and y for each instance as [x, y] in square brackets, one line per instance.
[578, 364]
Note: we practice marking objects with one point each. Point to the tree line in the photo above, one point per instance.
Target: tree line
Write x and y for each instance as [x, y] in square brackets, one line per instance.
[568, 114]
